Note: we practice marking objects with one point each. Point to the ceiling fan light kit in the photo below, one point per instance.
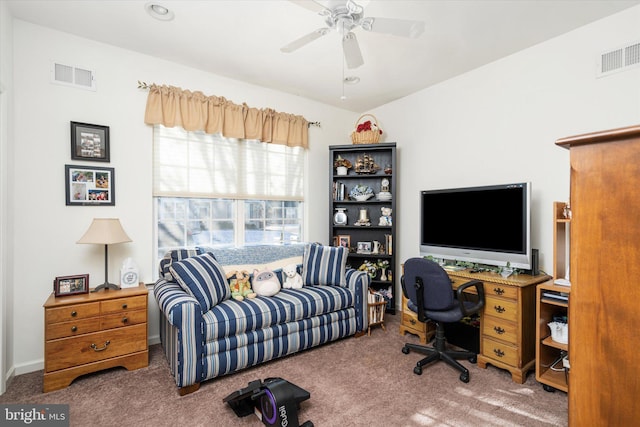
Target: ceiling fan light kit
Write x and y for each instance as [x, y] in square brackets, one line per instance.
[345, 16]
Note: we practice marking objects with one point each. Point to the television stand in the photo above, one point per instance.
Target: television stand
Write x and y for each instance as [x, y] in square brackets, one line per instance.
[507, 321]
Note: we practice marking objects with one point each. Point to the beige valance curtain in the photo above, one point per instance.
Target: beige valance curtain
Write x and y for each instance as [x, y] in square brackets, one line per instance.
[172, 106]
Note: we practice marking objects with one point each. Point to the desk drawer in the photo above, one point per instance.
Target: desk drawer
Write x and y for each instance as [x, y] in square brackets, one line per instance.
[499, 329]
[411, 321]
[500, 351]
[75, 351]
[498, 290]
[72, 312]
[124, 304]
[501, 308]
[127, 318]
[68, 329]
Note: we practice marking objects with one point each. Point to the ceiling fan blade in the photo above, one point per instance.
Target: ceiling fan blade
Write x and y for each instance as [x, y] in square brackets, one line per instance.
[297, 44]
[352, 54]
[397, 27]
[312, 5]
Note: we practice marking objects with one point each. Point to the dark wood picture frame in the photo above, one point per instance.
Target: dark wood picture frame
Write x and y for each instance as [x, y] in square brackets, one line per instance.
[71, 285]
[89, 186]
[89, 142]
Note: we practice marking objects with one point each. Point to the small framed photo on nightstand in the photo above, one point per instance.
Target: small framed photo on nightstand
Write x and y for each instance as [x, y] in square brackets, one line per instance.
[71, 285]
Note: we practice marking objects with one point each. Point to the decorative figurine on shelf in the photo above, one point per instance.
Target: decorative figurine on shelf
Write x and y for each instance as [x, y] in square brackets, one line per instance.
[376, 247]
[363, 218]
[387, 169]
[366, 165]
[385, 219]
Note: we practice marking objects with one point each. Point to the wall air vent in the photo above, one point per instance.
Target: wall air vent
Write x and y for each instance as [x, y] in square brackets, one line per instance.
[69, 75]
[619, 59]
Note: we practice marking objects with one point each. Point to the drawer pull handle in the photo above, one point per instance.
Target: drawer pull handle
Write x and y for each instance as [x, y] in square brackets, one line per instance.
[125, 320]
[498, 291]
[498, 330]
[95, 347]
[74, 328]
[124, 306]
[412, 321]
[498, 352]
[499, 309]
[74, 313]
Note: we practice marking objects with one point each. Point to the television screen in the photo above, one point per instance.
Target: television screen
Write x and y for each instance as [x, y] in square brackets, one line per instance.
[489, 225]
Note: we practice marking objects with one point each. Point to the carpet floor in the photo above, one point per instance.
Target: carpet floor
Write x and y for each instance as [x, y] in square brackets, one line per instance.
[364, 381]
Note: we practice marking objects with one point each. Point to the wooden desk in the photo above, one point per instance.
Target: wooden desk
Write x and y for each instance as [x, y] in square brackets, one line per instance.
[507, 321]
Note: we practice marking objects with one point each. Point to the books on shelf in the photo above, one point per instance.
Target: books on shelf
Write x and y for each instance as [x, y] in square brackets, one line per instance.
[339, 191]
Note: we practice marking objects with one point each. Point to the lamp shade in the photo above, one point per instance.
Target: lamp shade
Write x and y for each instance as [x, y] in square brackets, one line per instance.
[105, 231]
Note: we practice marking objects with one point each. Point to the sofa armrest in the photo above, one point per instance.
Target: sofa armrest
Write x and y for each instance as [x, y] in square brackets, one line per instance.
[358, 282]
[181, 332]
[175, 303]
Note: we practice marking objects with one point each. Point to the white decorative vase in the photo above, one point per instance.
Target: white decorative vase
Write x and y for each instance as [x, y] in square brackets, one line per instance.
[383, 276]
[341, 170]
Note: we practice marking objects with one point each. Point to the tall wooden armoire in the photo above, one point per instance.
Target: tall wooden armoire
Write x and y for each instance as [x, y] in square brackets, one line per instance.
[604, 319]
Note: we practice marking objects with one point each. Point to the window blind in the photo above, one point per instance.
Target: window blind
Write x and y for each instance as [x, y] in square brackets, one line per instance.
[195, 164]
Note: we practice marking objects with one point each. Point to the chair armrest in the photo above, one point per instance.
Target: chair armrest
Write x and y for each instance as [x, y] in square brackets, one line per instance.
[358, 282]
[176, 304]
[462, 297]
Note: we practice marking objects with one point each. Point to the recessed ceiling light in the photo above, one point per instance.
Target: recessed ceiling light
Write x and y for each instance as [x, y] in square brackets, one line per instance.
[159, 12]
[352, 80]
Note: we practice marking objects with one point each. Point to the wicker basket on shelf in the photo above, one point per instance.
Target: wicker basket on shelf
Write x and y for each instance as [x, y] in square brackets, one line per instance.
[371, 136]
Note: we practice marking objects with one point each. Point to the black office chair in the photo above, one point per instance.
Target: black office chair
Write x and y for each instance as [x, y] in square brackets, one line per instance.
[428, 290]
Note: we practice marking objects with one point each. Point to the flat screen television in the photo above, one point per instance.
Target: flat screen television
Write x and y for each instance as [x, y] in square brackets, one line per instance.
[485, 225]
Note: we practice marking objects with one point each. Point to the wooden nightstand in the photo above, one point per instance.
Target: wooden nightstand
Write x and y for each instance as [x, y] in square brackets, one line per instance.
[91, 332]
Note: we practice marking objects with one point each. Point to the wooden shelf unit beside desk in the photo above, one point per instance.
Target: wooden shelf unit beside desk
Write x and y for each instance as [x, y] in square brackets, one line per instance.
[91, 332]
[507, 321]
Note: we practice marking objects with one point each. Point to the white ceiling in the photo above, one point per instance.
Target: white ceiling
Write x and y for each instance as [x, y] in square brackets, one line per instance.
[241, 39]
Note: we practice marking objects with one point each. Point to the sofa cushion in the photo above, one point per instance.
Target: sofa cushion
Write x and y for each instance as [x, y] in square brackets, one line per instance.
[324, 265]
[202, 277]
[173, 256]
[232, 317]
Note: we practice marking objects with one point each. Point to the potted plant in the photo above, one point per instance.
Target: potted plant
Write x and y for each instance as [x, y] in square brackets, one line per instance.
[342, 165]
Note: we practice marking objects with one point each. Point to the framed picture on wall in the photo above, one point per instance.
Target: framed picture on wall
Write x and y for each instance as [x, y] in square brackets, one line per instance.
[71, 285]
[89, 186]
[89, 142]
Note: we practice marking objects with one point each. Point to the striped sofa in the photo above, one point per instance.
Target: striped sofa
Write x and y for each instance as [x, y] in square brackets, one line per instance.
[206, 337]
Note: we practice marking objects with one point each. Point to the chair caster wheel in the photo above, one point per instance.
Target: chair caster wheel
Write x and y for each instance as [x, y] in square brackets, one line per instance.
[548, 388]
[464, 377]
[473, 359]
[405, 350]
[417, 370]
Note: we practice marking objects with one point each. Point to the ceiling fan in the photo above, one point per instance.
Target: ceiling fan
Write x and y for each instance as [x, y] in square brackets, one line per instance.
[344, 16]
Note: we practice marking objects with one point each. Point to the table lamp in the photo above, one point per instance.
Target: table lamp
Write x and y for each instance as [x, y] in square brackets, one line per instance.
[105, 231]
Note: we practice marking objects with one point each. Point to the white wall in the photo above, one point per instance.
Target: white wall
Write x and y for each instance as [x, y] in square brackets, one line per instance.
[6, 126]
[45, 229]
[498, 124]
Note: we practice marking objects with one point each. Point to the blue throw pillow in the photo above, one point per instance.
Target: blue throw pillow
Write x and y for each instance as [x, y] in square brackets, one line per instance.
[173, 256]
[202, 277]
[324, 265]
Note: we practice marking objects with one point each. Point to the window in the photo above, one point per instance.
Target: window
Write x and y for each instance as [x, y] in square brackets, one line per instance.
[215, 191]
